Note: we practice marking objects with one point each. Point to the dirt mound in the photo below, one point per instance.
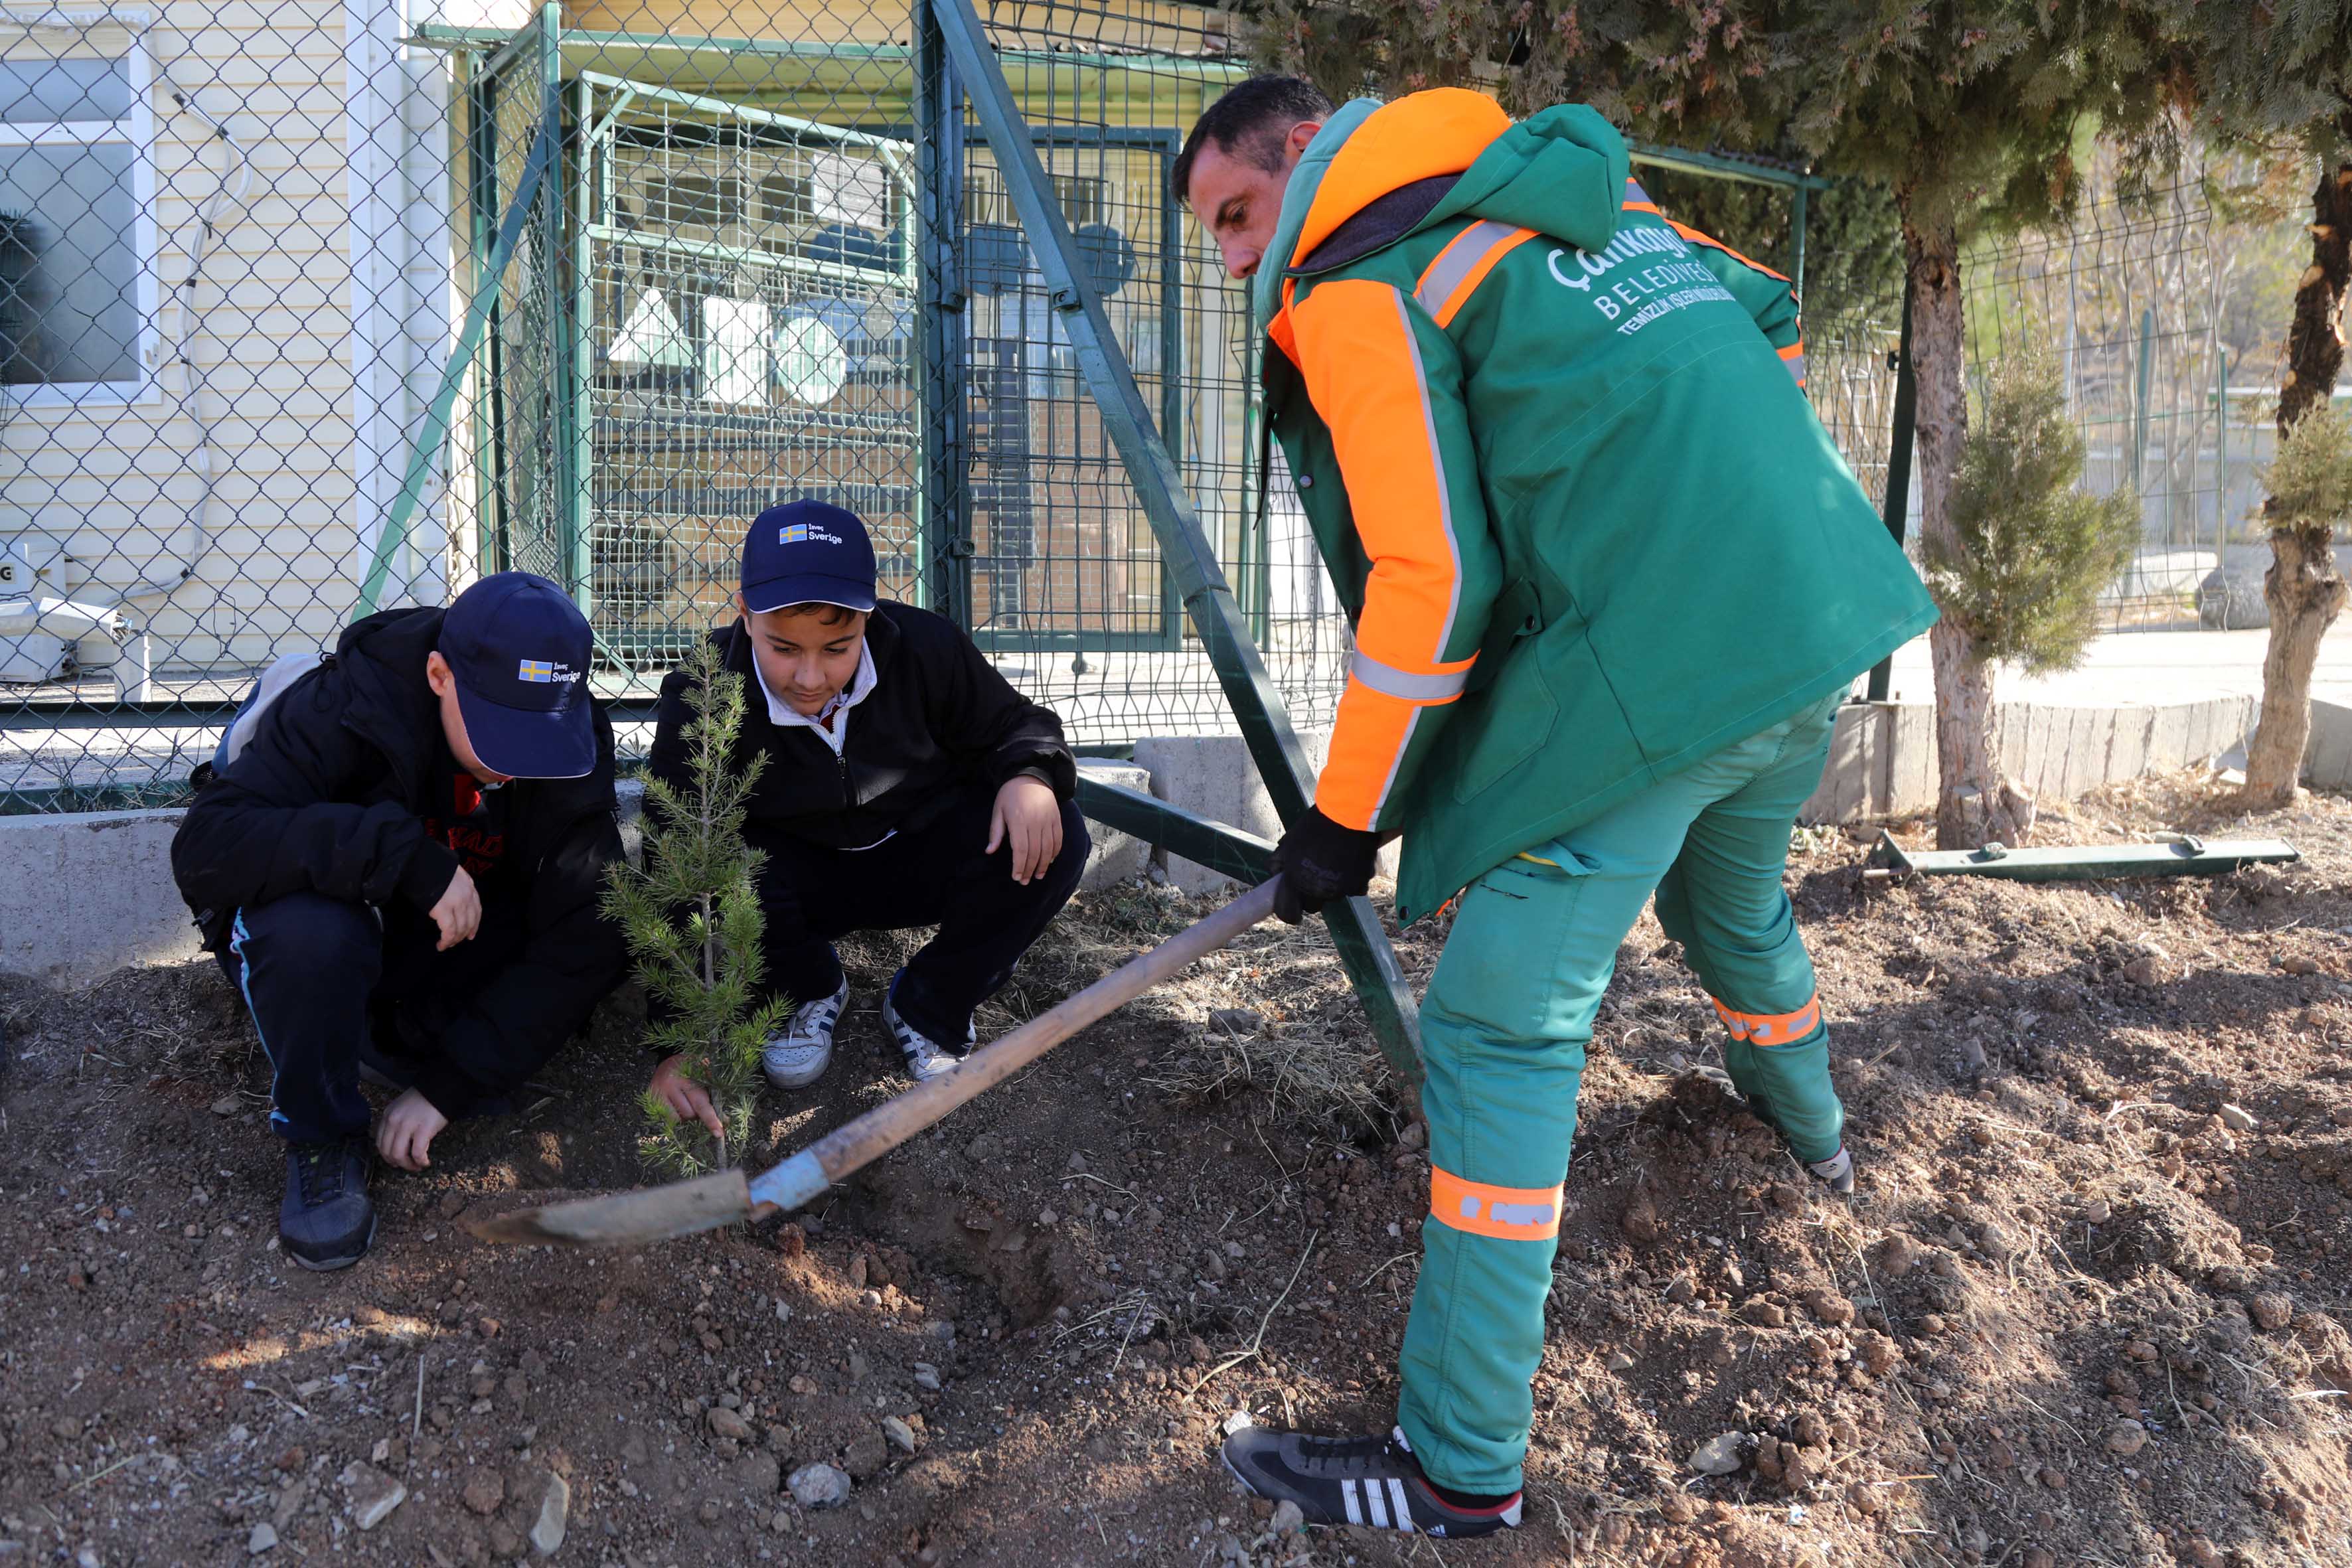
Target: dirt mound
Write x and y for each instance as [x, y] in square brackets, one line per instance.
[2089, 1306]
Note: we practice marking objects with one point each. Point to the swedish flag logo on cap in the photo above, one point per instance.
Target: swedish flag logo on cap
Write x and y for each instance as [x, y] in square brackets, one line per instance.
[793, 533]
[536, 669]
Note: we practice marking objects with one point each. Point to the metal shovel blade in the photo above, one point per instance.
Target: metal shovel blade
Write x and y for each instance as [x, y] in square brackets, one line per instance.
[625, 1219]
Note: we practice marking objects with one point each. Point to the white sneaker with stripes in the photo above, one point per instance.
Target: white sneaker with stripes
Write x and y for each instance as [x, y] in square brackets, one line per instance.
[1369, 1481]
[798, 1057]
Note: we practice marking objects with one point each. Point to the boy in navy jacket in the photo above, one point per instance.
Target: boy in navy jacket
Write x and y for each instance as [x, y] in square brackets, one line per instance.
[906, 784]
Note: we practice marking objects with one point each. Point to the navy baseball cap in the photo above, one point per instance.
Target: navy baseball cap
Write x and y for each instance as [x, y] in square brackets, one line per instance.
[520, 650]
[806, 552]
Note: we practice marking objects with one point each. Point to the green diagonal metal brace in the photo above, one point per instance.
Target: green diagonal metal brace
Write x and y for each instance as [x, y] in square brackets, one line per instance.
[1228, 851]
[397, 521]
[1217, 618]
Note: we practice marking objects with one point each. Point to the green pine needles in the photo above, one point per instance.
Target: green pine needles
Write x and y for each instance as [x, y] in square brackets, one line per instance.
[693, 925]
[2029, 552]
[2311, 483]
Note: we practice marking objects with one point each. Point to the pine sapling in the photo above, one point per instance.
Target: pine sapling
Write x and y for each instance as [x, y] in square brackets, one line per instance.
[2028, 551]
[693, 925]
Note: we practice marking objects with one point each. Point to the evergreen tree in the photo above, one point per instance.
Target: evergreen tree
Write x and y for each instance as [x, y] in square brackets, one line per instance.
[692, 919]
[2028, 551]
[2273, 77]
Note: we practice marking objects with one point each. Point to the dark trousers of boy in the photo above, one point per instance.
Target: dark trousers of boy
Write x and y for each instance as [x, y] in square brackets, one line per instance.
[321, 975]
[937, 873]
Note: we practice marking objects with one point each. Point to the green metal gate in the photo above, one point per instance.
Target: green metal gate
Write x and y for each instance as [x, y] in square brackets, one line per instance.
[711, 306]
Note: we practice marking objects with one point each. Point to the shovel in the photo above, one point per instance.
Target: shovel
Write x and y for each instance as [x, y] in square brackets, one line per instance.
[682, 1208]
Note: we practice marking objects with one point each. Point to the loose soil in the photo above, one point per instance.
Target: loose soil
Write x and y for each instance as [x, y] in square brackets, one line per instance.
[2088, 1307]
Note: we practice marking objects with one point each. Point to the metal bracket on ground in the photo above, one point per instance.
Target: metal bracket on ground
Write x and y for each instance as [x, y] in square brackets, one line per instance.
[2187, 855]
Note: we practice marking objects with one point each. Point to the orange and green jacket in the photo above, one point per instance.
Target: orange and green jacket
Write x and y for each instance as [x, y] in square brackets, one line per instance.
[1556, 453]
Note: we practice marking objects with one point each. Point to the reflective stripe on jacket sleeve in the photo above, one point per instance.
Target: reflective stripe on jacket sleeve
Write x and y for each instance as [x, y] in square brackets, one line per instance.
[1399, 429]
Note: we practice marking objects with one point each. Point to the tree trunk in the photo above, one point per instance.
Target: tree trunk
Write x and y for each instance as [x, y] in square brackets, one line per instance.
[2304, 592]
[1975, 805]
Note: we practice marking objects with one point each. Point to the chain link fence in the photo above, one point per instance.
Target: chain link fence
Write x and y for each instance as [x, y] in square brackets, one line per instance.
[309, 309]
[2126, 299]
[674, 259]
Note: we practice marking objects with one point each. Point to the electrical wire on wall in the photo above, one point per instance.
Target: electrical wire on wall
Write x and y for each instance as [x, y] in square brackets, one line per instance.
[206, 231]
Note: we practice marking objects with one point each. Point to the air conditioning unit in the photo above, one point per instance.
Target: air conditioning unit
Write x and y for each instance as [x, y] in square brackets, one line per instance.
[38, 624]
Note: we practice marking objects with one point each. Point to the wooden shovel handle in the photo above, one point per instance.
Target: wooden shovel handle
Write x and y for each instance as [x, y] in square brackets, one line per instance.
[857, 1143]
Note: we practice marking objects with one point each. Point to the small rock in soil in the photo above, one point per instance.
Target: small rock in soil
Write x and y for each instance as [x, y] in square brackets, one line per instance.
[926, 1376]
[2237, 1119]
[1829, 1308]
[1288, 1520]
[2126, 1438]
[374, 1495]
[867, 1454]
[1639, 1220]
[759, 1474]
[819, 1485]
[1240, 1020]
[728, 1422]
[484, 1491]
[2271, 1310]
[1719, 1455]
[1620, 1361]
[263, 1536]
[1896, 1254]
[898, 1432]
[554, 1509]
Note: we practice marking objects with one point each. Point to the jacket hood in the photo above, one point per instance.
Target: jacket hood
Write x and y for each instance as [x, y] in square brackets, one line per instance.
[1561, 172]
[383, 661]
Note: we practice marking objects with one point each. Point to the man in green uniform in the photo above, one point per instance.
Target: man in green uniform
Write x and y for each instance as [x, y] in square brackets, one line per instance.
[1610, 583]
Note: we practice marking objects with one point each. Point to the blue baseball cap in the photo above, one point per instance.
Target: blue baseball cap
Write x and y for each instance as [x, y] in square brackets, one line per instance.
[806, 552]
[519, 648]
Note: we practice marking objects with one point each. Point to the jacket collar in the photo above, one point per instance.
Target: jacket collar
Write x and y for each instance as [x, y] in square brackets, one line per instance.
[1366, 152]
[874, 663]
[390, 705]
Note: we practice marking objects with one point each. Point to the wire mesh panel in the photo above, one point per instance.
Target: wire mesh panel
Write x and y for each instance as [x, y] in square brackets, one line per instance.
[748, 318]
[1039, 533]
[2125, 300]
[1851, 378]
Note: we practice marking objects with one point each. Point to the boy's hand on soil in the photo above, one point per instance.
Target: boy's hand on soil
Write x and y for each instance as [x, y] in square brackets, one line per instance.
[459, 912]
[404, 1136]
[1028, 817]
[686, 1099]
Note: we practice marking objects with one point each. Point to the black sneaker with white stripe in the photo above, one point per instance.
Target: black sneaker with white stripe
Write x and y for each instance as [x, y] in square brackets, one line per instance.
[1371, 1482]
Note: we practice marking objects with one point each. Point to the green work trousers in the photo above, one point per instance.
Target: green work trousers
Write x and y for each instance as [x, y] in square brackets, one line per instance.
[1503, 1027]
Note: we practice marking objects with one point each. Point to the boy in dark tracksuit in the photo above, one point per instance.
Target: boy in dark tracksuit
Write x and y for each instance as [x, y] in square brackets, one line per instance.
[400, 873]
[906, 785]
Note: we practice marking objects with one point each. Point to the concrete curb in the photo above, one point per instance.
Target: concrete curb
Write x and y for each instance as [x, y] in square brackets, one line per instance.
[1883, 755]
[89, 894]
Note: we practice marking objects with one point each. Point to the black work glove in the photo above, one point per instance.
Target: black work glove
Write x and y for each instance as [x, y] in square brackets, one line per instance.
[1319, 862]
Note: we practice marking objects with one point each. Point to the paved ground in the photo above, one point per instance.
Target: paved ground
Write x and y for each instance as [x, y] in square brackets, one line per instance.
[2148, 668]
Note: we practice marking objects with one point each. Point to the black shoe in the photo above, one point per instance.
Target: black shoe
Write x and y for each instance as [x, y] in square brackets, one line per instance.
[326, 1221]
[1373, 1481]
